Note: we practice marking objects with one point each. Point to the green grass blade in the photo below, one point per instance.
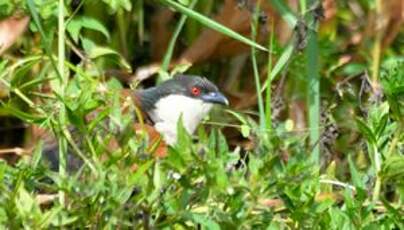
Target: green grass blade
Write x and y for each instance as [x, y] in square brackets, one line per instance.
[212, 24]
[254, 25]
[282, 62]
[170, 49]
[285, 12]
[44, 40]
[268, 105]
[313, 97]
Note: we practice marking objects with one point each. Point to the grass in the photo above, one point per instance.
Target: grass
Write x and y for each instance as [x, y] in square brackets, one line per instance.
[170, 49]
[250, 170]
[313, 88]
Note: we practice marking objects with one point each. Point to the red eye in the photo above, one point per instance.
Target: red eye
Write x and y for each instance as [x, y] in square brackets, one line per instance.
[196, 91]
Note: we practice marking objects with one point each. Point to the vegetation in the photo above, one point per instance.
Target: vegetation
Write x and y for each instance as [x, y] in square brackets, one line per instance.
[313, 137]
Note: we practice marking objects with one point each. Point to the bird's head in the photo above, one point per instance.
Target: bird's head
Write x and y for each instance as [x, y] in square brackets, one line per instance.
[189, 97]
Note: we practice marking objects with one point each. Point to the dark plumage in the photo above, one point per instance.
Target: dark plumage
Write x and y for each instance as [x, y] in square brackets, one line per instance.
[180, 84]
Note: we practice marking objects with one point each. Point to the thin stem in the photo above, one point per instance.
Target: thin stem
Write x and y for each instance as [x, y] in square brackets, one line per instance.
[313, 88]
[303, 6]
[254, 26]
[60, 89]
[140, 22]
[376, 190]
[268, 108]
[337, 183]
[170, 49]
[376, 53]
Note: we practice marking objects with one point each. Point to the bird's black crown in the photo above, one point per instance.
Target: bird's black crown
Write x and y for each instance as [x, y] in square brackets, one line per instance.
[186, 85]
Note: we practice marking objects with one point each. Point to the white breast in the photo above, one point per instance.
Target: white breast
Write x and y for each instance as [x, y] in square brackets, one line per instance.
[169, 110]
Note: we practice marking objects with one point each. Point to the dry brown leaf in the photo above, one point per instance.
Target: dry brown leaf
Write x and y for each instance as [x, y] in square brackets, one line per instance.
[394, 10]
[11, 29]
[330, 9]
[160, 33]
[211, 44]
[44, 199]
[17, 151]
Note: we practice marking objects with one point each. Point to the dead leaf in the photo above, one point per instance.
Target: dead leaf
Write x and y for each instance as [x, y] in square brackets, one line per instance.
[11, 29]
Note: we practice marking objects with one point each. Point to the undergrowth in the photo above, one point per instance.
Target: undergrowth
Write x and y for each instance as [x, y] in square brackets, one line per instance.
[343, 170]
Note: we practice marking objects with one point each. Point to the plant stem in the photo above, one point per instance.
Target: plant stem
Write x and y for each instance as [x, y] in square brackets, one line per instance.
[171, 45]
[376, 190]
[268, 99]
[60, 89]
[140, 22]
[376, 53]
[254, 26]
[313, 88]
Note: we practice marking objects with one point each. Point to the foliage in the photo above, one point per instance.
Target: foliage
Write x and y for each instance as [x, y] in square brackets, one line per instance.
[341, 170]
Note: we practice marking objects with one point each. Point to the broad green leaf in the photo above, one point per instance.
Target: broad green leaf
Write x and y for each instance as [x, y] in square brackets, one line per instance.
[101, 51]
[98, 51]
[76, 24]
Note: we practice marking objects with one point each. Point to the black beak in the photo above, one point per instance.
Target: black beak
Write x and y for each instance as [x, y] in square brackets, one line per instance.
[215, 97]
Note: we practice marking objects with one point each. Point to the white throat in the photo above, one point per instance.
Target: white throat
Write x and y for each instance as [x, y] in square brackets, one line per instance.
[168, 111]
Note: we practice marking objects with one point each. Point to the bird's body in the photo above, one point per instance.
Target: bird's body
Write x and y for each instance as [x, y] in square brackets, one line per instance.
[189, 98]
[166, 116]
[183, 98]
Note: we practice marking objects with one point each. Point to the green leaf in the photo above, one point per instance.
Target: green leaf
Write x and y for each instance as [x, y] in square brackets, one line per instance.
[25, 203]
[245, 130]
[245, 127]
[184, 2]
[203, 220]
[49, 216]
[76, 24]
[255, 164]
[140, 172]
[102, 51]
[393, 169]
[212, 24]
[99, 117]
[366, 130]
[355, 174]
[381, 126]
[184, 140]
[115, 5]
[282, 61]
[97, 51]
[158, 177]
[27, 117]
[171, 45]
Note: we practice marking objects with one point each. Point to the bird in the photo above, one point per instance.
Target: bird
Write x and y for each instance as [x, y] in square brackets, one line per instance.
[189, 98]
[183, 98]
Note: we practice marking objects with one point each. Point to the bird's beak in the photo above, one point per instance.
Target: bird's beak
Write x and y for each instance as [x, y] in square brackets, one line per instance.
[215, 97]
